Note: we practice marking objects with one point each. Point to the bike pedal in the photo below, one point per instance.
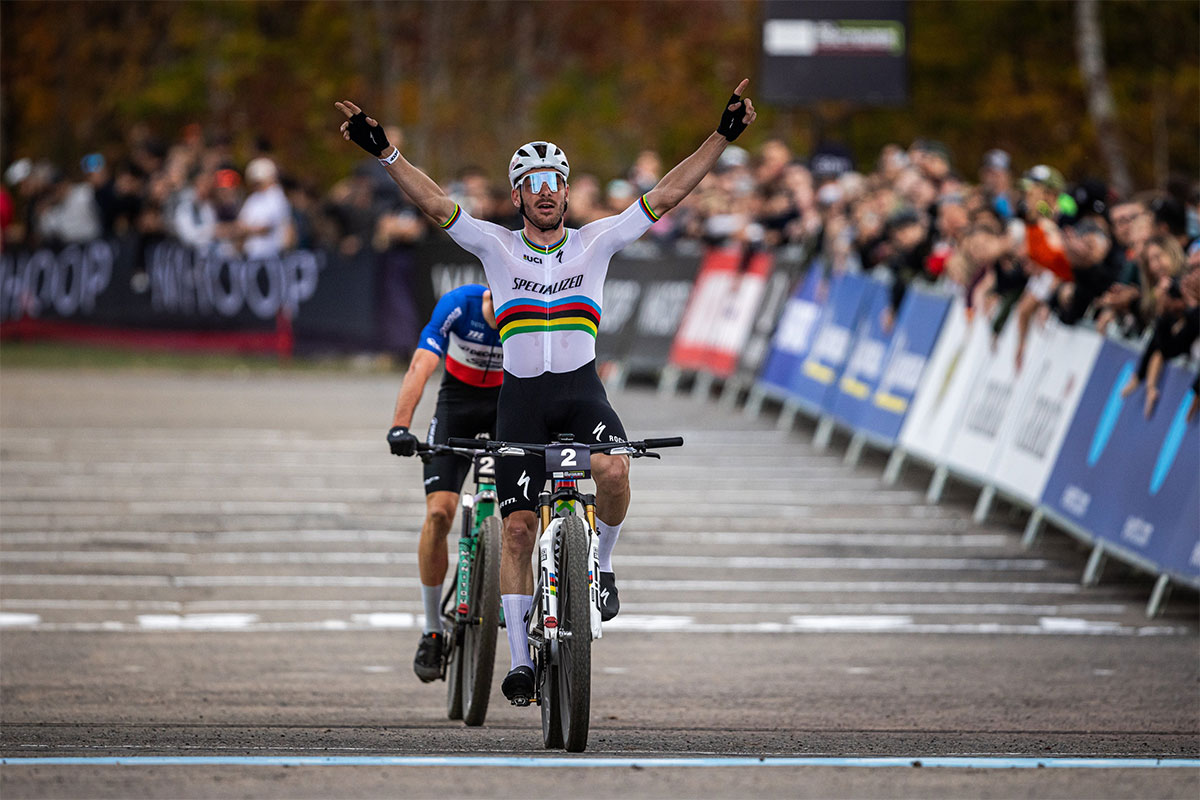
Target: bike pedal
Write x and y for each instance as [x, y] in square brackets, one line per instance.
[520, 700]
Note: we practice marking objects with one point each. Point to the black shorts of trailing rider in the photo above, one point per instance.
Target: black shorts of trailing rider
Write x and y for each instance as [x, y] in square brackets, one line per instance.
[463, 411]
[535, 410]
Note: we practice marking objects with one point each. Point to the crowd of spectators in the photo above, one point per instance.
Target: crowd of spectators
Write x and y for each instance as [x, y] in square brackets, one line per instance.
[1014, 242]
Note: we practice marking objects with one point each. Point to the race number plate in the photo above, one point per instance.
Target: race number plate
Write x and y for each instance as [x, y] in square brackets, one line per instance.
[485, 469]
[568, 461]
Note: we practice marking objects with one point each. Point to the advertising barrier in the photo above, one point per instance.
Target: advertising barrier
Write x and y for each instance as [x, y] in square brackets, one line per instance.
[913, 338]
[1128, 480]
[949, 377]
[644, 302]
[721, 312]
[794, 335]
[855, 388]
[1049, 397]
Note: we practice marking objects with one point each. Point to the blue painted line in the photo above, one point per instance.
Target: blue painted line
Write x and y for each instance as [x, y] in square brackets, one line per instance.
[1109, 416]
[1171, 443]
[962, 762]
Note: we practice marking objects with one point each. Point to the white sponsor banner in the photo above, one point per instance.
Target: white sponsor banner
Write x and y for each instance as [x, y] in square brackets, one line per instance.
[946, 384]
[992, 401]
[1028, 452]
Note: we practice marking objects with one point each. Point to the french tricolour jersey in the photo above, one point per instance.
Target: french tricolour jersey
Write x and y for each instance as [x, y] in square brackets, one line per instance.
[548, 299]
[459, 332]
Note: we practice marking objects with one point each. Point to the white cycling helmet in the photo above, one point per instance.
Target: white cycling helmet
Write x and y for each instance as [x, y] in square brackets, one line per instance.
[534, 156]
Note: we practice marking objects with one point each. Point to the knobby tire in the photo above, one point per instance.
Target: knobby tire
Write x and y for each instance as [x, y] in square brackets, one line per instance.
[574, 684]
[479, 640]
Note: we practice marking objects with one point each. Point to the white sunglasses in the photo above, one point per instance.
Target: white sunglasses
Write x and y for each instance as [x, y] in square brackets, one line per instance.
[536, 180]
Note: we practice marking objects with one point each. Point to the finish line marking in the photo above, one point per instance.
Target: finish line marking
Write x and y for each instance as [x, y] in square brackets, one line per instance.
[961, 762]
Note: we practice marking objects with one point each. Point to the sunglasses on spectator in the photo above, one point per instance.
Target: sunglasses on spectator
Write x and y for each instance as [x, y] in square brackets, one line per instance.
[536, 180]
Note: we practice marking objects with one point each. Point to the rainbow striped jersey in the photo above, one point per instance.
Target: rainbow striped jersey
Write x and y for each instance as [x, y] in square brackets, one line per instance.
[548, 299]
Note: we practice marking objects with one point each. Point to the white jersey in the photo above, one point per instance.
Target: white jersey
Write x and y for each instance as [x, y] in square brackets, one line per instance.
[548, 299]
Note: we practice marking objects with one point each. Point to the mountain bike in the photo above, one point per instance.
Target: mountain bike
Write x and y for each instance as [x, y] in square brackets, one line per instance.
[565, 618]
[471, 606]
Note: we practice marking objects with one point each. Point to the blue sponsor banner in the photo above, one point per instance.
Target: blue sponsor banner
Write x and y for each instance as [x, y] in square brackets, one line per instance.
[1127, 479]
[1154, 513]
[794, 335]
[864, 367]
[814, 382]
[912, 341]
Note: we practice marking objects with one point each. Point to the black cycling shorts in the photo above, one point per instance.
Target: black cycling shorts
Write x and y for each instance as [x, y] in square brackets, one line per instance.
[535, 411]
[464, 412]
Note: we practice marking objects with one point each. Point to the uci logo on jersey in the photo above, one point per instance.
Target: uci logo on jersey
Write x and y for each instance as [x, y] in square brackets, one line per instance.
[534, 259]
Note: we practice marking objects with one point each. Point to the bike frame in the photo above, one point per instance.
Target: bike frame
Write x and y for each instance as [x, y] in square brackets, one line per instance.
[565, 500]
[476, 508]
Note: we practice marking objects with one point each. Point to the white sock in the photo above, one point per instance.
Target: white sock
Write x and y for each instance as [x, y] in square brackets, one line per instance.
[515, 608]
[431, 598]
[608, 540]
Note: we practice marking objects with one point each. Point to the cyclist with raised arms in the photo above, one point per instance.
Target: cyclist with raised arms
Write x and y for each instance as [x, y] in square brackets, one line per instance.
[463, 331]
[547, 283]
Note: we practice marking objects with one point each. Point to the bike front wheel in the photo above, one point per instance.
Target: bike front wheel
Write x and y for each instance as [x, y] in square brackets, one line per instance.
[478, 646]
[574, 679]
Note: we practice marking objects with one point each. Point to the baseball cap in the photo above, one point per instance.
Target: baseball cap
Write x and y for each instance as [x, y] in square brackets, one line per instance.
[1045, 176]
[18, 171]
[227, 179]
[997, 159]
[261, 169]
[92, 162]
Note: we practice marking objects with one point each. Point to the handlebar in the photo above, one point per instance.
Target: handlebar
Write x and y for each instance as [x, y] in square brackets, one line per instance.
[635, 449]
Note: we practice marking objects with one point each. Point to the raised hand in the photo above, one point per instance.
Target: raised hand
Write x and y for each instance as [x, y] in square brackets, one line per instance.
[739, 112]
[362, 130]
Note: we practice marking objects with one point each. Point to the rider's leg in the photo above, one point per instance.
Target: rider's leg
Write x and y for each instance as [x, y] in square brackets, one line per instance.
[432, 557]
[611, 474]
[516, 581]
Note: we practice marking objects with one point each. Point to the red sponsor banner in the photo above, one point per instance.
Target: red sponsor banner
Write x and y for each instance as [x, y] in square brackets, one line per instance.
[721, 311]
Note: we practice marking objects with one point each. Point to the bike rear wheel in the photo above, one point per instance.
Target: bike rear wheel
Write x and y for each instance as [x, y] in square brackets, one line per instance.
[573, 689]
[478, 646]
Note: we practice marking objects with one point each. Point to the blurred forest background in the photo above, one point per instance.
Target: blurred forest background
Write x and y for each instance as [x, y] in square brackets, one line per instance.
[470, 80]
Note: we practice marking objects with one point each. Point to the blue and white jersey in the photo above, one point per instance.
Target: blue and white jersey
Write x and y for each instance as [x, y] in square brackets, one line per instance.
[458, 331]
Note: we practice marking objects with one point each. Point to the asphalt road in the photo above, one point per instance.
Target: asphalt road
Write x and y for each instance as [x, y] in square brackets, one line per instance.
[223, 565]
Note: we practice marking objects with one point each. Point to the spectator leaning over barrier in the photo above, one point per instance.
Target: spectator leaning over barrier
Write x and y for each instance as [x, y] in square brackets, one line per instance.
[1046, 258]
[995, 176]
[1088, 246]
[909, 244]
[1175, 331]
[1131, 227]
[265, 220]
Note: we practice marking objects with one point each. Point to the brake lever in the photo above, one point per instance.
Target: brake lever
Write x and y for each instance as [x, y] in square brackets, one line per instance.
[646, 455]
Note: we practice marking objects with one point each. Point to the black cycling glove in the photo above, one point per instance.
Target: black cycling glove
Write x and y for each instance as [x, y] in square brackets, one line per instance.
[367, 136]
[401, 441]
[731, 121]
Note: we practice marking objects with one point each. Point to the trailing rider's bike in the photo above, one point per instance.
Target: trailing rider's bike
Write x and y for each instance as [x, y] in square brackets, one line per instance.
[471, 607]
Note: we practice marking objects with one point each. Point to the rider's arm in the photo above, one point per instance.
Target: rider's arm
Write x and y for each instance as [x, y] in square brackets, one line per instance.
[421, 189]
[686, 175]
[679, 182]
[423, 364]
